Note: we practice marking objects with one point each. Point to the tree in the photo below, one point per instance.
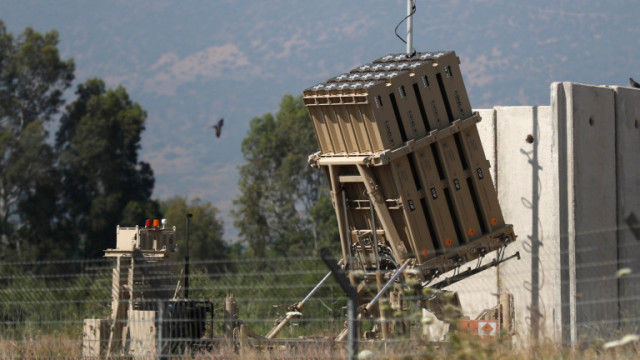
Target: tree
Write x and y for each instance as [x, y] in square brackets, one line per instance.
[98, 142]
[33, 79]
[206, 246]
[281, 208]
[40, 236]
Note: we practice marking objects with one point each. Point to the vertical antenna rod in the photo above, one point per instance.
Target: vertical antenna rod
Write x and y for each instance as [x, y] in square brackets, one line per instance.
[410, 8]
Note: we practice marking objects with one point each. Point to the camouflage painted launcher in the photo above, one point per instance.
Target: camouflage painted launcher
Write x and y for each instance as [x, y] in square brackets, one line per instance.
[409, 178]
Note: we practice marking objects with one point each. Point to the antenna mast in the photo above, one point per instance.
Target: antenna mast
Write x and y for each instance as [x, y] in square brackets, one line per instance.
[410, 10]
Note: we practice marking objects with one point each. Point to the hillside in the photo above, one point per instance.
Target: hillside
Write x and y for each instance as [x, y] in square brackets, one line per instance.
[190, 63]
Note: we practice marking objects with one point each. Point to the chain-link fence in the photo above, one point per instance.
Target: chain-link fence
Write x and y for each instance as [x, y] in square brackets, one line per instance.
[274, 308]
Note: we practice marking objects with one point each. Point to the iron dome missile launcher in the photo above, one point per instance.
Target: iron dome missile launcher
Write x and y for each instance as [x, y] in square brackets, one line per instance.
[408, 175]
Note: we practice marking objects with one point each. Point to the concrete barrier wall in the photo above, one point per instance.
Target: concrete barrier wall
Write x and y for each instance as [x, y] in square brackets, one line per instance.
[528, 192]
[588, 216]
[567, 177]
[487, 131]
[628, 186]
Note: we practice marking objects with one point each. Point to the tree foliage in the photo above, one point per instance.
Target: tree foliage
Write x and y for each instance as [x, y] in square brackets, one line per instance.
[33, 77]
[32, 81]
[64, 200]
[98, 142]
[206, 246]
[283, 207]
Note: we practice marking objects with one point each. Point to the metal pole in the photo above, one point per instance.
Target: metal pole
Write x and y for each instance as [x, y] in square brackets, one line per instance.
[373, 232]
[381, 309]
[410, 6]
[461, 276]
[335, 198]
[186, 260]
[159, 339]
[352, 337]
[352, 302]
[310, 294]
[351, 257]
[375, 299]
[386, 286]
[298, 306]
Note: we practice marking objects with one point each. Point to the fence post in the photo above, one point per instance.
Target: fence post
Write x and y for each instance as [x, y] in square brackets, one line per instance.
[230, 315]
[352, 301]
[159, 320]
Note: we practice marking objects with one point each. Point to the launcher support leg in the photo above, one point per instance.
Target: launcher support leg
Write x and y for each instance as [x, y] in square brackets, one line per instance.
[367, 308]
[337, 197]
[383, 312]
[376, 196]
[296, 309]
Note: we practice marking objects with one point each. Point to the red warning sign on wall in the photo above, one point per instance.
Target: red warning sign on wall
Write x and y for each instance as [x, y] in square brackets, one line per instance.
[479, 327]
[487, 328]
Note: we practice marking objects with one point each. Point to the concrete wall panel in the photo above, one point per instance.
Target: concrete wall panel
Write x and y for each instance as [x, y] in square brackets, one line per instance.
[527, 190]
[566, 292]
[591, 206]
[567, 177]
[487, 132]
[478, 292]
[628, 185]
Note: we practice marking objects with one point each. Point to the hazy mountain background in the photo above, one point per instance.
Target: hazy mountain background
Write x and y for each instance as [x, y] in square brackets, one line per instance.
[191, 62]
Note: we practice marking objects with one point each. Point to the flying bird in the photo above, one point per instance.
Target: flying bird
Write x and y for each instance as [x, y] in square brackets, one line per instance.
[218, 127]
[633, 83]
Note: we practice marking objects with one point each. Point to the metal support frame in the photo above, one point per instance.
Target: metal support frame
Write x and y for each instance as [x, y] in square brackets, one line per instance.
[377, 199]
[386, 286]
[375, 236]
[463, 275]
[297, 308]
[367, 308]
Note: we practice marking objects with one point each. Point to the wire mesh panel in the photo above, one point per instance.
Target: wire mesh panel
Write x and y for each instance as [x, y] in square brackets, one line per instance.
[43, 306]
[61, 310]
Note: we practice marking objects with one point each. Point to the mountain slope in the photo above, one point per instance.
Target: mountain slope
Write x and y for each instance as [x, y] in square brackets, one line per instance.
[190, 63]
